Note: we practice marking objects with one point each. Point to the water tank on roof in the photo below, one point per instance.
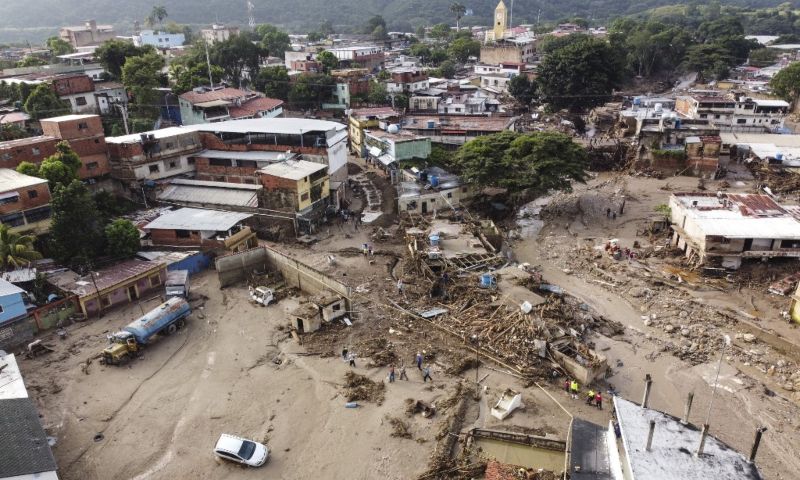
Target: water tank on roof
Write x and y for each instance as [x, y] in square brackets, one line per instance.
[431, 124]
[637, 101]
[659, 107]
[434, 238]
[677, 124]
[779, 156]
[393, 128]
[434, 179]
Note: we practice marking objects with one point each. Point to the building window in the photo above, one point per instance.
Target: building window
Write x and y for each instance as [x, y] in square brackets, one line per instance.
[304, 197]
[80, 101]
[1, 309]
[12, 199]
[6, 156]
[219, 162]
[13, 220]
[182, 234]
[105, 301]
[91, 166]
[190, 161]
[464, 189]
[83, 126]
[155, 280]
[741, 121]
[37, 214]
[169, 145]
[703, 115]
[154, 169]
[96, 140]
[33, 194]
[337, 307]
[173, 164]
[35, 151]
[716, 116]
[449, 194]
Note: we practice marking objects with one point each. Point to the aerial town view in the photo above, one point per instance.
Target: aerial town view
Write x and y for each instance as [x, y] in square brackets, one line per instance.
[406, 240]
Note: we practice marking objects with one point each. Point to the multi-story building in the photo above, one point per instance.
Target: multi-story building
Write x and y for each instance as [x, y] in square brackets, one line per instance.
[89, 34]
[161, 40]
[85, 136]
[349, 82]
[208, 105]
[456, 129]
[295, 186]
[24, 202]
[743, 114]
[370, 57]
[407, 80]
[509, 50]
[365, 118]
[108, 94]
[77, 90]
[152, 156]
[388, 147]
[31, 149]
[218, 33]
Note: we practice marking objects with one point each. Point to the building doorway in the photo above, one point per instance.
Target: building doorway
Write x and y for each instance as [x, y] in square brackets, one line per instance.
[748, 244]
[300, 328]
[424, 207]
[132, 293]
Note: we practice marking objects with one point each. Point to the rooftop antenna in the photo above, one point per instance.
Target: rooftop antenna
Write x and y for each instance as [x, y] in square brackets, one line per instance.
[251, 19]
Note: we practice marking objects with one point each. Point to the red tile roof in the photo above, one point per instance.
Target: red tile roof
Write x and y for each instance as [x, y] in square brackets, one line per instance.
[221, 94]
[251, 108]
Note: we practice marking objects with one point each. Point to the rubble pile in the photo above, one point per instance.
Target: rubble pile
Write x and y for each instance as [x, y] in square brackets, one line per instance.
[778, 179]
[360, 388]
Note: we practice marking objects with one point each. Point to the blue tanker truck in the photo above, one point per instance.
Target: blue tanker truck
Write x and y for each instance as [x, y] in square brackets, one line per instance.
[167, 318]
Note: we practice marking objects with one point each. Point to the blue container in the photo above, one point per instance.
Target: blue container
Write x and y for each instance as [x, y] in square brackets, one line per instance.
[677, 124]
[434, 179]
[487, 280]
[431, 124]
[351, 405]
[637, 101]
[434, 240]
[779, 157]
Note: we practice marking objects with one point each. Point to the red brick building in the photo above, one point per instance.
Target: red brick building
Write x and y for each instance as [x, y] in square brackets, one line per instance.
[33, 149]
[78, 90]
[24, 202]
[85, 135]
[192, 227]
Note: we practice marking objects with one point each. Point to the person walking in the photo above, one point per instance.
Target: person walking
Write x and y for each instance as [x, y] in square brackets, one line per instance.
[573, 388]
[391, 373]
[403, 375]
[369, 247]
[418, 359]
[590, 397]
[598, 400]
[426, 374]
[608, 213]
[400, 285]
[566, 385]
[344, 353]
[351, 357]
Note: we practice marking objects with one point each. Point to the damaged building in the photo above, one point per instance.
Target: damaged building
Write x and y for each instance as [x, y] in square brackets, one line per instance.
[726, 228]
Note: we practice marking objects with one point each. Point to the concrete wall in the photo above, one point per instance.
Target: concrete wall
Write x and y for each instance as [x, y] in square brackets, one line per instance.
[237, 266]
[14, 334]
[308, 279]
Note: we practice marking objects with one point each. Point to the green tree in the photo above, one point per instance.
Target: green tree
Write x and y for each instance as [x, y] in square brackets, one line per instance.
[157, 15]
[28, 168]
[440, 31]
[62, 167]
[786, 83]
[421, 32]
[374, 22]
[522, 89]
[274, 82]
[191, 73]
[379, 33]
[328, 61]
[141, 76]
[59, 47]
[43, 103]
[580, 75]
[274, 41]
[447, 69]
[122, 238]
[76, 231]
[31, 61]
[421, 50]
[763, 57]
[237, 55]
[113, 53]
[310, 91]
[16, 250]
[314, 36]
[461, 49]
[378, 94]
[326, 28]
[538, 162]
[458, 10]
[711, 61]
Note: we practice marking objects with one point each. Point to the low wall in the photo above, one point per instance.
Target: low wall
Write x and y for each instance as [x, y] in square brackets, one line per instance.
[236, 267]
[16, 333]
[308, 279]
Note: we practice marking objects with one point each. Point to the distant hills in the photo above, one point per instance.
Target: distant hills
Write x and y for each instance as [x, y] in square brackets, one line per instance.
[37, 19]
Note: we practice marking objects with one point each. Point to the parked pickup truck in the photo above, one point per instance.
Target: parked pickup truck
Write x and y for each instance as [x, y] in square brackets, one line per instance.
[167, 318]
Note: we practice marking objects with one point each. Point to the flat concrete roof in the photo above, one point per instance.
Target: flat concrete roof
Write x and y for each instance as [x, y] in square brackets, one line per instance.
[293, 169]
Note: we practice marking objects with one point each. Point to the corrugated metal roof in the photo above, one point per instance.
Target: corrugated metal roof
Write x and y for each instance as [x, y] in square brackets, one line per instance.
[292, 169]
[211, 195]
[8, 288]
[197, 219]
[105, 278]
[12, 180]
[25, 449]
[252, 155]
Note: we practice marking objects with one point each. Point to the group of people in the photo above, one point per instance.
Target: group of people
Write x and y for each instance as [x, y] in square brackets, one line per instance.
[592, 397]
[346, 216]
[350, 357]
[366, 249]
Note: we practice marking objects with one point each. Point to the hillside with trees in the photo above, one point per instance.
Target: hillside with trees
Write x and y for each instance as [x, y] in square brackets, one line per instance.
[345, 15]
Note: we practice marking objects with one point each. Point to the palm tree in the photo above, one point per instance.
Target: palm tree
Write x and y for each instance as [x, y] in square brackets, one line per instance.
[459, 11]
[16, 250]
[157, 14]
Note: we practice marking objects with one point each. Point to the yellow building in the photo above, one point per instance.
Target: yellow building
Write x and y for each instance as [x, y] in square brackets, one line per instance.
[295, 185]
[361, 119]
[500, 20]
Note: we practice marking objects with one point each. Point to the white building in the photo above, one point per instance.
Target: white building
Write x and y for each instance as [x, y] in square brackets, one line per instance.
[431, 190]
[743, 114]
[728, 228]
[218, 33]
[161, 40]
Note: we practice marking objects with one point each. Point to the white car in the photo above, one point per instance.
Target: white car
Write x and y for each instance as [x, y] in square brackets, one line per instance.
[240, 450]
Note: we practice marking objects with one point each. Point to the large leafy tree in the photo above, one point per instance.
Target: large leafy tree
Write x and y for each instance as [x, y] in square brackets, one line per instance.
[274, 41]
[122, 238]
[16, 250]
[58, 169]
[190, 72]
[522, 89]
[76, 231]
[113, 54]
[274, 82]
[141, 75]
[458, 10]
[537, 162]
[58, 46]
[310, 91]
[328, 61]
[462, 48]
[43, 103]
[157, 15]
[580, 75]
[237, 55]
[786, 83]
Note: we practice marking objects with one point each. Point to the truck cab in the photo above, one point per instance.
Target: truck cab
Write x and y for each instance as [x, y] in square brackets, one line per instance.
[262, 295]
[122, 345]
[177, 284]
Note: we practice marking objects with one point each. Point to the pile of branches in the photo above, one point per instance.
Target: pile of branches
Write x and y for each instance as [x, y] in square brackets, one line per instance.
[360, 388]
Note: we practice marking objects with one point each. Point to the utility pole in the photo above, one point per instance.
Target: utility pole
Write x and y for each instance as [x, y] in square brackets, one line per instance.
[208, 62]
[511, 16]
